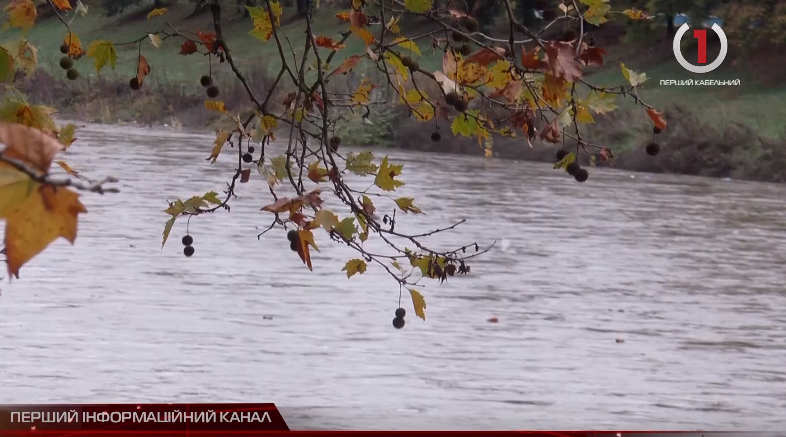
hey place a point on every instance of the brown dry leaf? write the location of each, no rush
(606, 155)
(551, 133)
(511, 91)
(374, 57)
(529, 60)
(554, 90)
(657, 118)
(218, 144)
(329, 43)
(347, 65)
(486, 56)
(358, 19)
(188, 48)
(560, 58)
(306, 238)
(29, 145)
(143, 69)
(449, 64)
(245, 175)
(593, 56)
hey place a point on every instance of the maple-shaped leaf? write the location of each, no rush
(634, 78)
(551, 133)
(188, 47)
(511, 91)
(218, 144)
(600, 102)
(156, 12)
(636, 14)
(142, 70)
(66, 135)
(74, 45)
(343, 16)
(263, 24)
(561, 60)
(216, 105)
(529, 59)
(554, 89)
(346, 228)
(419, 303)
(21, 13)
(596, 14)
(593, 56)
(305, 239)
(326, 219)
(354, 266)
(362, 94)
(485, 56)
(29, 145)
(328, 43)
(657, 118)
(102, 52)
(467, 125)
(386, 174)
(418, 6)
(567, 159)
(316, 173)
(361, 164)
(40, 219)
(347, 65)
(208, 40)
(405, 204)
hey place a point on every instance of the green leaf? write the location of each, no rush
(102, 52)
(326, 219)
(363, 226)
(66, 135)
(346, 228)
(168, 229)
(634, 78)
(385, 175)
(279, 164)
(596, 14)
(600, 102)
(562, 163)
(361, 164)
(6, 66)
(418, 6)
(212, 197)
(354, 266)
(419, 303)
(405, 204)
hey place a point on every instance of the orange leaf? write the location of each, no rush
(657, 118)
(188, 48)
(63, 5)
(44, 216)
(324, 41)
(347, 65)
(343, 16)
(305, 238)
(74, 45)
(529, 60)
(593, 55)
(363, 34)
(142, 70)
(29, 145)
(560, 57)
(208, 39)
(486, 56)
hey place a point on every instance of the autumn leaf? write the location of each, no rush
(215, 105)
(636, 14)
(362, 94)
(306, 239)
(600, 102)
(385, 175)
(38, 116)
(263, 25)
(554, 89)
(143, 69)
(449, 64)
(66, 135)
(529, 60)
(343, 16)
(208, 40)
(567, 159)
(188, 47)
(103, 52)
(363, 34)
(407, 44)
(74, 45)
(316, 173)
(27, 57)
(368, 205)
(328, 43)
(357, 18)
(67, 168)
(596, 14)
(38, 221)
(361, 164)
(593, 56)
(218, 144)
(657, 118)
(346, 228)
(347, 65)
(63, 5)
(21, 13)
(418, 6)
(15, 187)
(419, 303)
(560, 58)
(551, 133)
(485, 56)
(398, 66)
(155, 40)
(354, 266)
(326, 219)
(29, 145)
(6, 66)
(634, 78)
(155, 12)
(405, 204)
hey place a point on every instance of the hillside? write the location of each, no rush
(697, 114)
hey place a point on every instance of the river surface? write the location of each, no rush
(688, 271)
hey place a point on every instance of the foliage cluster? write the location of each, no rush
(486, 87)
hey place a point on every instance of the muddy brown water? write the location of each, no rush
(688, 271)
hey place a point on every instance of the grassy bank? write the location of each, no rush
(734, 131)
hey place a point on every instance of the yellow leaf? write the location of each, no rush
(167, 229)
(21, 13)
(103, 52)
(74, 45)
(39, 116)
(363, 91)
(354, 266)
(634, 78)
(63, 5)
(215, 105)
(218, 144)
(6, 66)
(363, 34)
(263, 25)
(156, 12)
(469, 73)
(67, 168)
(419, 303)
(305, 238)
(636, 14)
(15, 187)
(423, 111)
(27, 57)
(584, 116)
(385, 175)
(66, 135)
(418, 6)
(326, 219)
(407, 44)
(562, 163)
(42, 218)
(155, 40)
(399, 68)
(405, 204)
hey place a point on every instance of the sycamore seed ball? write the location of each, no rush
(541, 4)
(465, 50)
(573, 168)
(461, 105)
(187, 240)
(64, 49)
(550, 14)
(653, 149)
(134, 83)
(206, 81)
(401, 312)
(471, 24)
(72, 74)
(398, 322)
(188, 251)
(561, 154)
(66, 63)
(212, 91)
(582, 175)
(436, 136)
(292, 236)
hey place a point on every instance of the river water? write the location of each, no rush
(688, 271)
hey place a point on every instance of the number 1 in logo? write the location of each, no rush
(701, 35)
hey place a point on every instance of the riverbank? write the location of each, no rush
(713, 131)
